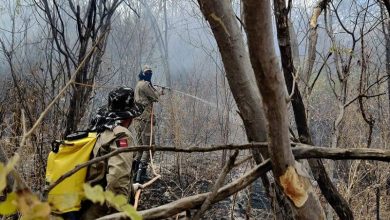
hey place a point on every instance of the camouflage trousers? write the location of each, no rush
(143, 134)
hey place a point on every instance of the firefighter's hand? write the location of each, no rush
(137, 186)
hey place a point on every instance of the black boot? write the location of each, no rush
(141, 176)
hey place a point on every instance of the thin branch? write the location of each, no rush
(363, 96)
(295, 79)
(133, 9)
(319, 72)
(301, 151)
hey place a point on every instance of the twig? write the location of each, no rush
(242, 161)
(319, 72)
(194, 201)
(363, 96)
(18, 180)
(138, 192)
(221, 179)
(136, 198)
(295, 79)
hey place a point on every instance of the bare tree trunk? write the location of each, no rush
(362, 86)
(386, 32)
(387, 5)
(339, 204)
(239, 73)
(92, 24)
(288, 174)
(313, 36)
(237, 65)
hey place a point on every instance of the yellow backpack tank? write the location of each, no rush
(67, 195)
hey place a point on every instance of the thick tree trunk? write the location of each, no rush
(239, 72)
(288, 174)
(330, 192)
(387, 5)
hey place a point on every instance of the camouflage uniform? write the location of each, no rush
(144, 94)
(113, 173)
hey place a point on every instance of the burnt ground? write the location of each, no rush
(169, 188)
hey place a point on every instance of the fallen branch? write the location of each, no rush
(314, 151)
(301, 151)
(195, 201)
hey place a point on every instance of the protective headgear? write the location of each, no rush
(146, 68)
(146, 74)
(120, 106)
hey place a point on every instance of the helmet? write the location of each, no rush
(146, 74)
(146, 68)
(120, 106)
(122, 100)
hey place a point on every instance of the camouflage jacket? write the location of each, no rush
(145, 94)
(115, 172)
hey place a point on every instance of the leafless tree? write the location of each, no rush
(93, 21)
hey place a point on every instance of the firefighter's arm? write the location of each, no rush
(118, 176)
(151, 93)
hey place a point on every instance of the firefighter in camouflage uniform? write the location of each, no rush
(114, 173)
(146, 95)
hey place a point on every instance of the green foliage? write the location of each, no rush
(28, 204)
(5, 170)
(31, 207)
(67, 202)
(97, 194)
(8, 207)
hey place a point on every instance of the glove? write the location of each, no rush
(137, 186)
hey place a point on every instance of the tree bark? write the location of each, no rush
(335, 199)
(313, 36)
(240, 75)
(239, 72)
(386, 33)
(387, 5)
(288, 174)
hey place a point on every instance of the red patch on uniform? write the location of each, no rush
(122, 143)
